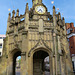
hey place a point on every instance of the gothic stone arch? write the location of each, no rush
(46, 51)
(11, 63)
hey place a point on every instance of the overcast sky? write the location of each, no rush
(66, 7)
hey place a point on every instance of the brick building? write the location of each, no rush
(71, 39)
(71, 36)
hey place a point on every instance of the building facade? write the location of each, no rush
(71, 39)
(34, 36)
(71, 36)
(1, 43)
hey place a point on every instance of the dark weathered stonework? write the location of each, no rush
(34, 32)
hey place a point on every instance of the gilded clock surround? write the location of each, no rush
(40, 9)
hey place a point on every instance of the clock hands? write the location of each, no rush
(39, 10)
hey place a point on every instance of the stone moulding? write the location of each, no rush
(40, 44)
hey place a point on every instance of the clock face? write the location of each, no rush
(40, 9)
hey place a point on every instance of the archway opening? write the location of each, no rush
(16, 63)
(41, 63)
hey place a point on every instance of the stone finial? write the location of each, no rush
(54, 13)
(59, 16)
(27, 8)
(9, 17)
(13, 14)
(53, 7)
(63, 18)
(8, 22)
(9, 14)
(17, 14)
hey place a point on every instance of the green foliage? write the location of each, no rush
(19, 60)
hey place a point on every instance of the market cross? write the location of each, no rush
(34, 36)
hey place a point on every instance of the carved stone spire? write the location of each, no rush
(17, 14)
(27, 8)
(54, 13)
(26, 17)
(63, 20)
(36, 2)
(54, 16)
(9, 17)
(13, 14)
(59, 16)
(8, 21)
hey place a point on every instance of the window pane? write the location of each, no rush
(0, 53)
(68, 31)
(73, 65)
(3, 37)
(0, 45)
(68, 40)
(0, 37)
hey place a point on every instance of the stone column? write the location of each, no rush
(53, 57)
(62, 64)
(24, 57)
(23, 64)
(55, 49)
(59, 53)
(10, 66)
(54, 40)
(30, 65)
(53, 65)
